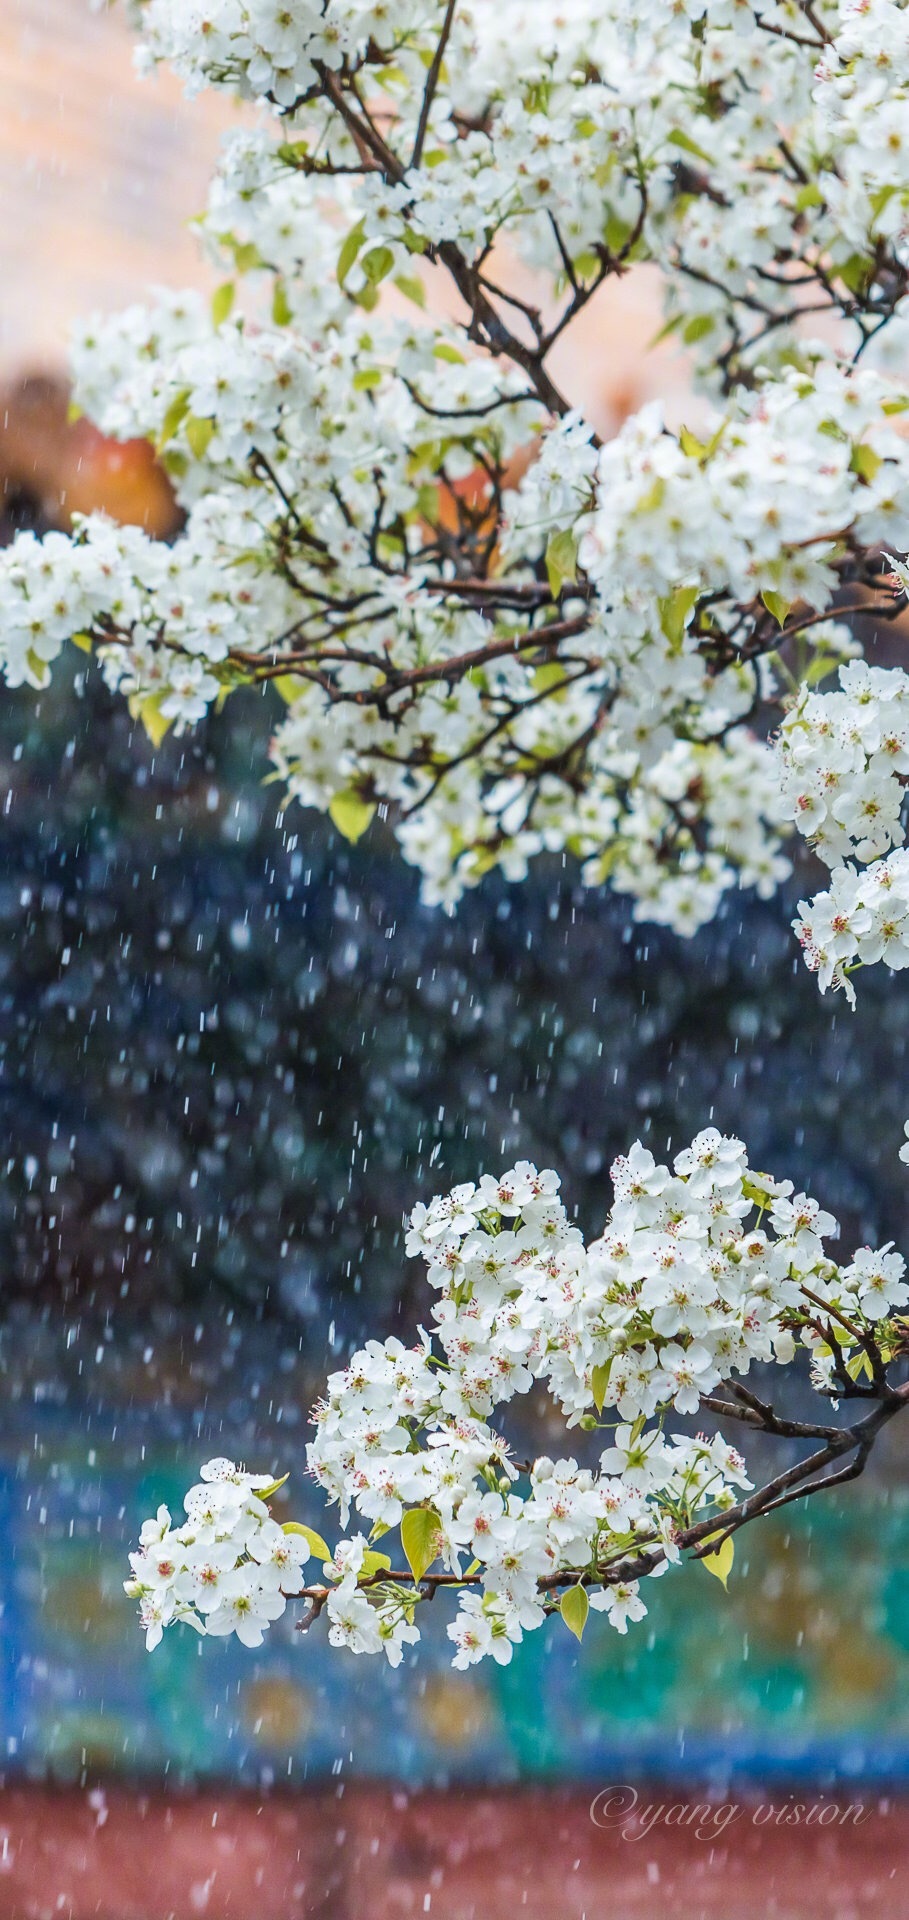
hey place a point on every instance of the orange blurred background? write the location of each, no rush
(100, 175)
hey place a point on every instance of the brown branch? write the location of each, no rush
(486, 326)
(798, 1482)
(432, 81)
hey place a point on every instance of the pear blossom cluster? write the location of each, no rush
(488, 631)
(846, 757)
(862, 917)
(227, 1568)
(705, 1269)
(846, 760)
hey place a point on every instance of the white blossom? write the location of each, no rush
(587, 669)
(403, 1437)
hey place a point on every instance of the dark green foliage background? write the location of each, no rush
(235, 1055)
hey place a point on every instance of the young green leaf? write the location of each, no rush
(574, 1607)
(267, 1493)
(314, 1541)
(200, 434)
(865, 462)
(696, 328)
(351, 814)
(374, 1563)
(419, 1538)
(778, 605)
(38, 668)
(679, 139)
(349, 251)
(153, 720)
(561, 560)
(599, 1381)
(377, 264)
(720, 1562)
(281, 311)
(412, 288)
(222, 301)
(674, 611)
(289, 687)
(173, 418)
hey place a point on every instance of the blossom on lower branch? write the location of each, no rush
(703, 1269)
(227, 1569)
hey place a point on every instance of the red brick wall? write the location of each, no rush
(368, 1854)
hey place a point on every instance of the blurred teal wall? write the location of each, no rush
(800, 1671)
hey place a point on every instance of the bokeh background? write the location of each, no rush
(234, 1053)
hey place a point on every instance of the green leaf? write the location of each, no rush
(679, 139)
(222, 301)
(419, 1538)
(314, 1541)
(200, 434)
(153, 720)
(809, 195)
(880, 199)
(599, 1381)
(696, 328)
(291, 152)
(691, 445)
(615, 233)
(561, 560)
(281, 311)
(859, 1364)
(247, 256)
(574, 1607)
(662, 333)
(288, 686)
(653, 498)
(700, 450)
(366, 378)
(38, 668)
(674, 611)
(374, 1563)
(412, 288)
(778, 605)
(173, 418)
(377, 263)
(266, 1493)
(83, 641)
(586, 264)
(443, 351)
(865, 462)
(351, 814)
(856, 272)
(349, 251)
(720, 1562)
(549, 676)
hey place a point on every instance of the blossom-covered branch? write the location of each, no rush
(703, 1271)
(488, 628)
